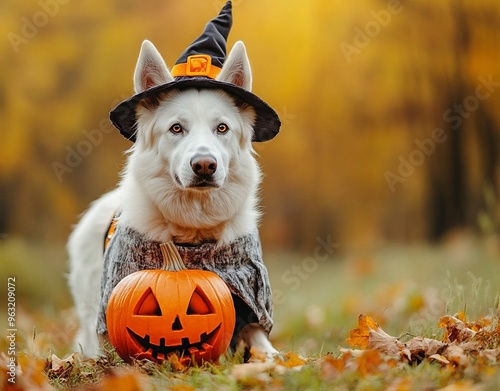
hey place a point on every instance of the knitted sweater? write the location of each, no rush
(238, 263)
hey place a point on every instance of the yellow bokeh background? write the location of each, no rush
(358, 85)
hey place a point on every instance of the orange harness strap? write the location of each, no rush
(110, 232)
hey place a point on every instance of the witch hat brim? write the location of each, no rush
(266, 125)
(209, 47)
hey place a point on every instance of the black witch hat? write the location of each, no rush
(198, 67)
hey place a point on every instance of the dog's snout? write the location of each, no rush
(204, 165)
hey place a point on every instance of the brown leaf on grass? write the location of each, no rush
(176, 363)
(369, 362)
(488, 332)
(456, 355)
(359, 336)
(484, 322)
(291, 360)
(251, 370)
(58, 365)
(257, 356)
(456, 329)
(331, 366)
(259, 372)
(384, 343)
(491, 355)
(463, 342)
(364, 362)
(424, 346)
(368, 335)
(61, 367)
(440, 359)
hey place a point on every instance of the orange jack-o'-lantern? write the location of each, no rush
(154, 313)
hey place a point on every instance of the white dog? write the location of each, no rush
(191, 177)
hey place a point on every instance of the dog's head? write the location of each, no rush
(196, 132)
(193, 157)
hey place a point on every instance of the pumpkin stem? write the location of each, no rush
(172, 261)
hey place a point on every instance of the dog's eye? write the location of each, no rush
(222, 128)
(176, 128)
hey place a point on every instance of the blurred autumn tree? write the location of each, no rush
(361, 89)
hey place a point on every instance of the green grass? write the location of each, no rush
(405, 289)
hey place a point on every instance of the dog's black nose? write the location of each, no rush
(204, 165)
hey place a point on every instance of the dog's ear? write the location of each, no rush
(236, 69)
(150, 70)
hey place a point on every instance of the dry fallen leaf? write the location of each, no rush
(456, 329)
(369, 362)
(176, 363)
(260, 371)
(460, 344)
(425, 347)
(368, 335)
(57, 364)
(243, 371)
(360, 335)
(440, 359)
(492, 355)
(331, 366)
(256, 355)
(291, 360)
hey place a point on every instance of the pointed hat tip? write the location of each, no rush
(212, 41)
(228, 7)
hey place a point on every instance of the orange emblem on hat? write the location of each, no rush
(196, 65)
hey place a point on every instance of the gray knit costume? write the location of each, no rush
(238, 263)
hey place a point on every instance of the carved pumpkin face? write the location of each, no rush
(154, 313)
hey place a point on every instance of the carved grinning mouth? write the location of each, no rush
(185, 350)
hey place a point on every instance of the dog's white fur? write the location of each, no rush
(159, 195)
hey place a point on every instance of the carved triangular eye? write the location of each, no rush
(148, 305)
(199, 304)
